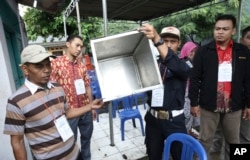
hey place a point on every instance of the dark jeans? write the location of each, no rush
(85, 125)
(158, 130)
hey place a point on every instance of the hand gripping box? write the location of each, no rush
(125, 64)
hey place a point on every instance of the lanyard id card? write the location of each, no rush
(157, 97)
(80, 87)
(225, 72)
(63, 128)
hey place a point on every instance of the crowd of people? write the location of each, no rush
(217, 90)
(204, 87)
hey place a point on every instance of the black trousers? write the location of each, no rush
(157, 130)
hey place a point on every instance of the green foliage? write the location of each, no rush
(194, 23)
(234, 3)
(198, 24)
(116, 27)
(39, 23)
(246, 14)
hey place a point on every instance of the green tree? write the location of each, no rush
(116, 27)
(39, 23)
(194, 23)
(197, 24)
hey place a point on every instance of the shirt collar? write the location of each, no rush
(72, 62)
(33, 87)
(229, 45)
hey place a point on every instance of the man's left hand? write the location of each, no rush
(246, 114)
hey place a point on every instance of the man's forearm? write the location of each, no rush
(76, 112)
(19, 150)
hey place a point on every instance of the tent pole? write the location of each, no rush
(105, 19)
(78, 18)
(239, 20)
(69, 9)
(65, 27)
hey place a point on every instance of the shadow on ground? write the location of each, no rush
(144, 158)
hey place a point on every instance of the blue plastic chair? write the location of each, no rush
(190, 145)
(127, 112)
(94, 84)
(142, 97)
(96, 94)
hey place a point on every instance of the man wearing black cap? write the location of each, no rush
(166, 114)
(38, 110)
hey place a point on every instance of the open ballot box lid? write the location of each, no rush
(125, 64)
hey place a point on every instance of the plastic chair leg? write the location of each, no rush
(113, 111)
(142, 127)
(97, 115)
(133, 120)
(122, 129)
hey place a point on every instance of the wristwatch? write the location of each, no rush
(160, 42)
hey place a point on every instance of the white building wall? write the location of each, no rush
(7, 87)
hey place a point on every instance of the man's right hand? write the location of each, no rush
(150, 32)
(195, 111)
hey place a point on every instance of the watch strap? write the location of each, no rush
(160, 42)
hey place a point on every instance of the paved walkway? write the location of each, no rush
(131, 148)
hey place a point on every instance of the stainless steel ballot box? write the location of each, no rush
(125, 64)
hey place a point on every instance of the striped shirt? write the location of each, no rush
(31, 111)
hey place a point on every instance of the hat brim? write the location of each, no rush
(163, 35)
(39, 58)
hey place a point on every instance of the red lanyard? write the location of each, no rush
(46, 106)
(164, 73)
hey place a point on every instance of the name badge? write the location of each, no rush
(63, 128)
(225, 72)
(80, 87)
(157, 97)
(189, 64)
